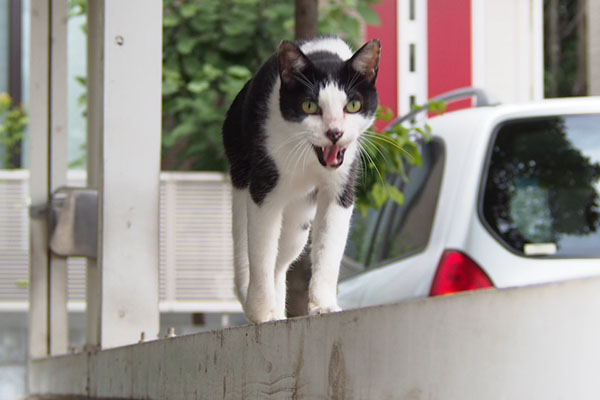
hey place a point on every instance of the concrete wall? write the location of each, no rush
(533, 343)
(13, 355)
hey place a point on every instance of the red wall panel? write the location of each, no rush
(387, 80)
(449, 47)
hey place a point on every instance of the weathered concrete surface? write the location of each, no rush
(539, 342)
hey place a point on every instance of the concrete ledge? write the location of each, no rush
(539, 342)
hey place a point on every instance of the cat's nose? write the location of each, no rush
(334, 135)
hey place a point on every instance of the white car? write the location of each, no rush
(507, 195)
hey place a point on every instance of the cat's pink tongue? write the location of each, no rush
(330, 154)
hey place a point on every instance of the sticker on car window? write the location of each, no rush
(540, 249)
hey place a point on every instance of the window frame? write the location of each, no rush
(384, 225)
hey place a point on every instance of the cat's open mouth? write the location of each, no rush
(330, 156)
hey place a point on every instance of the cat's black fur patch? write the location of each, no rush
(312, 196)
(244, 136)
(346, 198)
(263, 178)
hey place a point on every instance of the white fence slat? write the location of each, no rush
(196, 259)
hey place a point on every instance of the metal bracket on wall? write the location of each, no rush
(72, 222)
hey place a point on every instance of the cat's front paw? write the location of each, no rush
(259, 316)
(315, 308)
(260, 307)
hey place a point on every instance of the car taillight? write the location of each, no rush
(456, 272)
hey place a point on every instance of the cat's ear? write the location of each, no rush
(366, 60)
(291, 62)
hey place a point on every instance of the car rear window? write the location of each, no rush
(542, 186)
(396, 231)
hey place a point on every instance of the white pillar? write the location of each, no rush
(507, 49)
(48, 169)
(39, 184)
(593, 45)
(412, 54)
(124, 107)
(58, 320)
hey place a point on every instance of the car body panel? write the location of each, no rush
(467, 135)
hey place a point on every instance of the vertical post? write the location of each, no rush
(15, 34)
(58, 320)
(95, 129)
(39, 179)
(593, 47)
(537, 50)
(124, 107)
(48, 170)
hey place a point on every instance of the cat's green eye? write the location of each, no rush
(310, 107)
(353, 106)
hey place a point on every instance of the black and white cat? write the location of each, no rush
(291, 138)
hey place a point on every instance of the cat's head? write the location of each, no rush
(333, 99)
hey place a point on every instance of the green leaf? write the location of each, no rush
(211, 73)
(368, 14)
(5, 101)
(384, 113)
(437, 107)
(198, 86)
(188, 9)
(239, 71)
(168, 88)
(379, 195)
(192, 65)
(395, 195)
(236, 29)
(186, 44)
(170, 20)
(234, 45)
(350, 25)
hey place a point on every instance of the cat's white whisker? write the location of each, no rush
(307, 152)
(300, 77)
(287, 141)
(383, 138)
(296, 153)
(371, 161)
(362, 163)
(372, 145)
(353, 80)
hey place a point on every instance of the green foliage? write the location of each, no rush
(570, 77)
(12, 127)
(211, 49)
(77, 8)
(385, 153)
(344, 18)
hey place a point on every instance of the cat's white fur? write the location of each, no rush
(271, 236)
(331, 44)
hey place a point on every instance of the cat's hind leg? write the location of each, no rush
(239, 229)
(295, 227)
